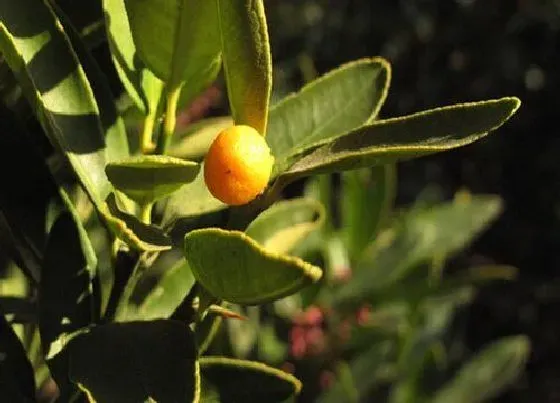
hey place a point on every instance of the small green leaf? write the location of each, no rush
(66, 301)
(247, 60)
(247, 381)
(387, 141)
(490, 371)
(279, 228)
(134, 361)
(416, 238)
(140, 83)
(368, 197)
(132, 231)
(191, 200)
(17, 382)
(37, 49)
(341, 100)
(194, 142)
(167, 36)
(148, 178)
(233, 267)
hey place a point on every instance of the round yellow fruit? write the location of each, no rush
(238, 165)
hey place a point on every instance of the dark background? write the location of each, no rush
(447, 51)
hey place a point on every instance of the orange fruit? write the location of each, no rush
(238, 165)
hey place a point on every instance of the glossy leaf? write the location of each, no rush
(148, 178)
(17, 382)
(134, 361)
(247, 60)
(237, 380)
(66, 302)
(132, 231)
(167, 36)
(31, 39)
(387, 141)
(283, 225)
(234, 267)
(368, 197)
(191, 200)
(195, 140)
(494, 368)
(341, 100)
(416, 238)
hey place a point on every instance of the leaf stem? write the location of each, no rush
(146, 212)
(146, 142)
(169, 121)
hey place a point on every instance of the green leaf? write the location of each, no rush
(490, 371)
(247, 381)
(341, 100)
(193, 143)
(167, 35)
(135, 361)
(247, 60)
(416, 238)
(369, 368)
(167, 293)
(191, 200)
(279, 228)
(234, 267)
(132, 231)
(17, 382)
(368, 199)
(387, 141)
(148, 178)
(141, 84)
(66, 302)
(37, 49)
(116, 142)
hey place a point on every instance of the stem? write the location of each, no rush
(146, 212)
(122, 306)
(172, 98)
(146, 142)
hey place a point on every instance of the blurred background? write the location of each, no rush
(447, 51)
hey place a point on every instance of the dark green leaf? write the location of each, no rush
(387, 141)
(167, 35)
(282, 226)
(134, 361)
(17, 382)
(37, 49)
(148, 178)
(247, 60)
(66, 302)
(233, 267)
(247, 381)
(490, 371)
(368, 198)
(167, 293)
(342, 100)
(416, 238)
